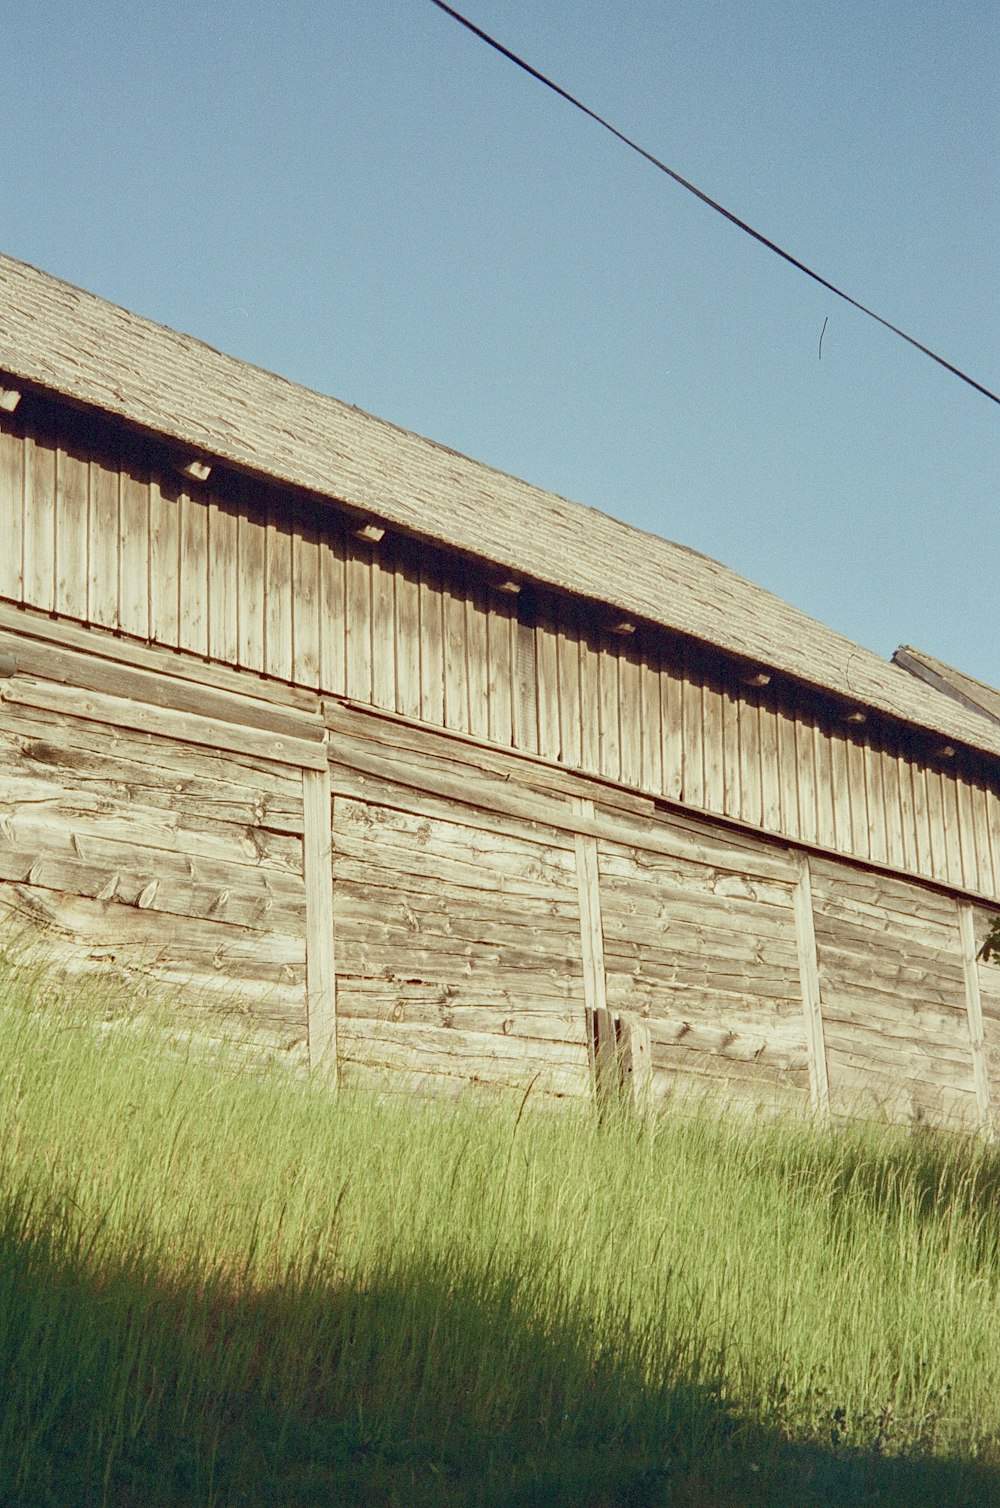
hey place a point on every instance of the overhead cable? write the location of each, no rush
(720, 209)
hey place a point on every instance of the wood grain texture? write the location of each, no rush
(812, 1001)
(321, 970)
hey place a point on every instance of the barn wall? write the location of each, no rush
(240, 573)
(152, 816)
(161, 860)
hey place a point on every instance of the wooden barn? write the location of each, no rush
(437, 774)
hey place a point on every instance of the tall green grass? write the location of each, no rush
(222, 1286)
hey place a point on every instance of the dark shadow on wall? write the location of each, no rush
(130, 1388)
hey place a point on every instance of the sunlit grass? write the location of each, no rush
(224, 1286)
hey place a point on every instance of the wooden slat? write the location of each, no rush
(39, 525)
(164, 564)
(11, 509)
(431, 645)
(652, 728)
(133, 555)
(826, 815)
(591, 929)
(858, 798)
(500, 630)
(770, 781)
(974, 1009)
(875, 797)
(383, 629)
(332, 610)
(967, 835)
(609, 693)
(477, 660)
(193, 626)
(590, 703)
(102, 591)
(306, 603)
(547, 669)
(896, 850)
(277, 593)
(570, 710)
(359, 618)
(456, 670)
(672, 712)
(630, 718)
(812, 1003)
(72, 542)
(407, 635)
(525, 683)
(251, 543)
(118, 712)
(751, 800)
(321, 971)
(715, 800)
(693, 716)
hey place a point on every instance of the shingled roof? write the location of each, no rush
(74, 344)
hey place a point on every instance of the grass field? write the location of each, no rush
(219, 1287)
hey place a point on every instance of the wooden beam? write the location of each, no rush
(321, 971)
(591, 926)
(757, 678)
(623, 626)
(637, 1062)
(974, 1012)
(10, 397)
(371, 533)
(812, 1004)
(507, 584)
(197, 469)
(857, 717)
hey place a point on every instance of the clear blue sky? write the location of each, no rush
(364, 198)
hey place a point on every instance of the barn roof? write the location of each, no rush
(77, 345)
(955, 683)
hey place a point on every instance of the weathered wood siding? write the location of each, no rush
(479, 900)
(242, 573)
(895, 1006)
(158, 858)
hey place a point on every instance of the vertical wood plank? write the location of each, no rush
(715, 797)
(11, 509)
(805, 749)
(133, 548)
(526, 681)
(590, 702)
(383, 629)
(974, 1011)
(922, 818)
(630, 718)
(164, 562)
(952, 834)
(358, 619)
(980, 814)
(306, 601)
(321, 970)
(993, 828)
(967, 833)
(223, 582)
(591, 924)
(812, 1001)
(570, 713)
(72, 543)
(407, 639)
(277, 592)
(840, 775)
(652, 729)
(102, 556)
(251, 536)
(193, 633)
(637, 1062)
(431, 645)
(693, 717)
(750, 781)
(610, 707)
(875, 798)
(859, 798)
(826, 819)
(732, 790)
(39, 526)
(500, 627)
(332, 620)
(547, 663)
(894, 842)
(907, 815)
(672, 710)
(477, 658)
(456, 671)
(769, 781)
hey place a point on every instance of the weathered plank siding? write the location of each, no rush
(158, 858)
(104, 532)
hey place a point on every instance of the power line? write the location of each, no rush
(720, 209)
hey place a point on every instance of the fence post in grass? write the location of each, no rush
(321, 974)
(974, 1012)
(812, 1002)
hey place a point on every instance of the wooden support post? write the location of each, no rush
(591, 928)
(321, 974)
(812, 1004)
(974, 1010)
